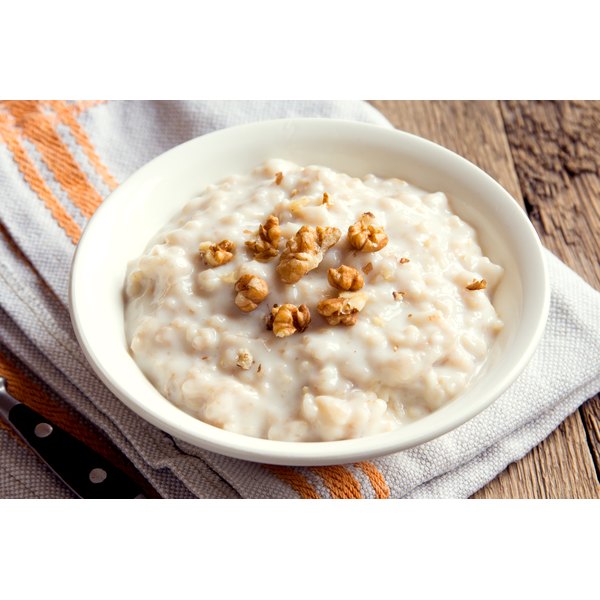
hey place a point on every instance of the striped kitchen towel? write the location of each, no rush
(59, 159)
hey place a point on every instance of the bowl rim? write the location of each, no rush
(301, 453)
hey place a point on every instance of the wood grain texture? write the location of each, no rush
(590, 413)
(556, 150)
(491, 135)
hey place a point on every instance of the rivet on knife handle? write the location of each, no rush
(87, 473)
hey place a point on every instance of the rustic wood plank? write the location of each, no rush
(590, 413)
(556, 150)
(475, 130)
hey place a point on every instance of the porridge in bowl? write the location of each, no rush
(301, 304)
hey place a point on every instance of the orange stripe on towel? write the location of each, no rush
(66, 113)
(295, 480)
(21, 385)
(35, 180)
(376, 478)
(80, 106)
(38, 127)
(339, 481)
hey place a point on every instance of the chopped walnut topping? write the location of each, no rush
(398, 295)
(278, 177)
(251, 291)
(288, 319)
(345, 278)
(477, 285)
(244, 359)
(304, 251)
(336, 311)
(325, 198)
(403, 260)
(215, 255)
(342, 310)
(266, 246)
(301, 255)
(367, 268)
(365, 236)
(328, 237)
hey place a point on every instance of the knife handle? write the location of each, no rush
(83, 470)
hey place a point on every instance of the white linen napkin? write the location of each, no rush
(59, 160)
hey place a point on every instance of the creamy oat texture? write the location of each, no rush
(417, 343)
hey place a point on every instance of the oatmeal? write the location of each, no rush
(301, 304)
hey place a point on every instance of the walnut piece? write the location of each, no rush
(403, 260)
(251, 291)
(398, 295)
(266, 246)
(345, 278)
(288, 319)
(477, 285)
(278, 177)
(365, 235)
(367, 268)
(328, 237)
(244, 359)
(342, 310)
(215, 255)
(304, 252)
(336, 311)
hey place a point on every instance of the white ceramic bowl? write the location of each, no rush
(122, 226)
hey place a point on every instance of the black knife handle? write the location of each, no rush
(83, 470)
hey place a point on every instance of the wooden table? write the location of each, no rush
(547, 155)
